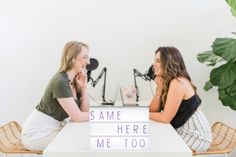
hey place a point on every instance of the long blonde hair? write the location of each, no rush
(70, 52)
(172, 65)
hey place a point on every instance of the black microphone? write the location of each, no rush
(147, 76)
(90, 67)
(151, 73)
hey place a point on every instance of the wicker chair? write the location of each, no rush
(223, 140)
(10, 140)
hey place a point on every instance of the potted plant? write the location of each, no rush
(224, 75)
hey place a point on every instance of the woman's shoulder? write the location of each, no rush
(180, 82)
(59, 78)
(184, 85)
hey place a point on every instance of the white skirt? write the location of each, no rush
(196, 132)
(39, 129)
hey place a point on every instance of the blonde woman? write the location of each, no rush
(176, 101)
(65, 96)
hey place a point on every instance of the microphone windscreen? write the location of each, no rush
(151, 73)
(88, 76)
(93, 64)
(90, 67)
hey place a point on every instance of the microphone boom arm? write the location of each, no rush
(135, 85)
(144, 77)
(94, 83)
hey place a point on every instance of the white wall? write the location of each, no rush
(122, 34)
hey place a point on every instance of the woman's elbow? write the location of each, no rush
(82, 117)
(167, 119)
(160, 117)
(152, 109)
(85, 107)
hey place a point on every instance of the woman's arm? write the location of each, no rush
(155, 105)
(71, 108)
(81, 82)
(174, 98)
(84, 106)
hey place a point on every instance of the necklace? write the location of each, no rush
(72, 85)
(70, 82)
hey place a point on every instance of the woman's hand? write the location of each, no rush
(159, 81)
(81, 85)
(81, 80)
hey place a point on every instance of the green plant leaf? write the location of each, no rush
(226, 99)
(231, 90)
(232, 4)
(209, 56)
(225, 48)
(208, 85)
(224, 75)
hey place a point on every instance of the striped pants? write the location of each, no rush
(196, 132)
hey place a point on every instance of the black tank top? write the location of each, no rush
(185, 111)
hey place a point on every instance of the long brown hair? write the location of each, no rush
(70, 52)
(172, 65)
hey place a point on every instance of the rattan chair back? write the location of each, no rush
(10, 140)
(223, 139)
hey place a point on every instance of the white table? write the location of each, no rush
(73, 141)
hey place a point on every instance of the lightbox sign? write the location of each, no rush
(119, 128)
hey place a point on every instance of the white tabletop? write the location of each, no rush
(73, 140)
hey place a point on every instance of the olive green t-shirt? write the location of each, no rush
(58, 87)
